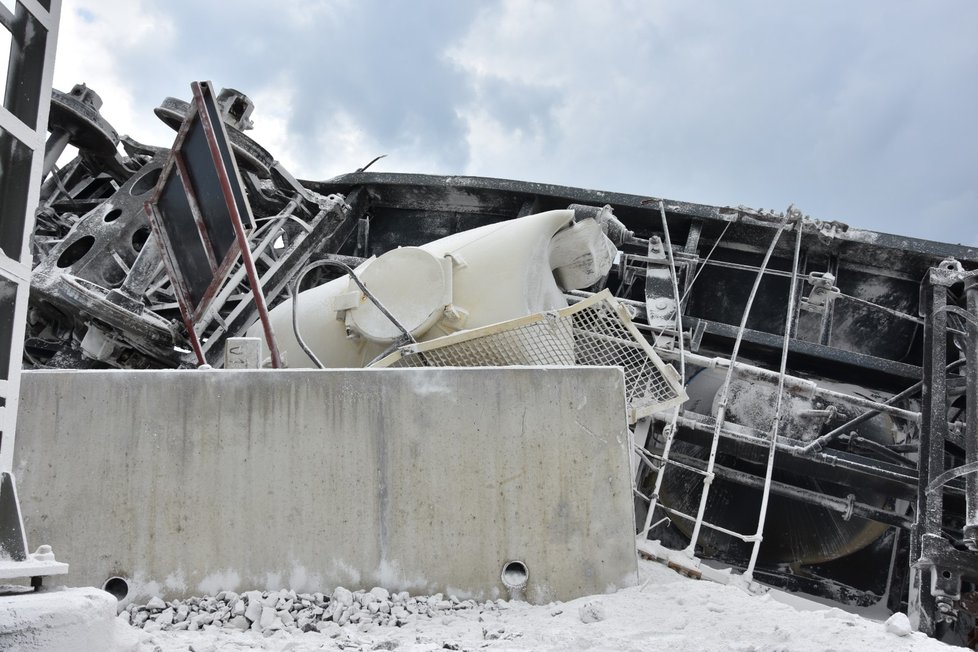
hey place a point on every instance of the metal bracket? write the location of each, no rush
(15, 560)
(823, 293)
(660, 305)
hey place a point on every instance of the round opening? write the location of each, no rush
(117, 586)
(75, 251)
(146, 182)
(515, 574)
(113, 275)
(139, 238)
(112, 215)
(946, 574)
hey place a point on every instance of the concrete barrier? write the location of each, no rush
(425, 480)
(62, 620)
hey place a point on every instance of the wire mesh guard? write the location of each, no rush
(594, 332)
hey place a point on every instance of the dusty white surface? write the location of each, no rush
(666, 612)
(60, 620)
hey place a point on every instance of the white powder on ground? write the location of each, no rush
(665, 612)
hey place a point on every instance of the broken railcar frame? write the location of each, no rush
(442, 204)
(857, 342)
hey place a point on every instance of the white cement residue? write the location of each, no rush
(860, 235)
(226, 580)
(342, 569)
(666, 612)
(142, 588)
(273, 581)
(63, 620)
(390, 575)
(433, 384)
(301, 580)
(175, 581)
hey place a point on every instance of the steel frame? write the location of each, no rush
(204, 108)
(33, 27)
(938, 566)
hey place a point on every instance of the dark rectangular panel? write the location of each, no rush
(8, 298)
(201, 215)
(226, 157)
(184, 240)
(15, 176)
(23, 88)
(207, 190)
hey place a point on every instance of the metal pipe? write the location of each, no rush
(885, 451)
(820, 443)
(971, 414)
(293, 291)
(700, 426)
(675, 293)
(937, 484)
(840, 505)
(363, 288)
(689, 287)
(746, 268)
(793, 382)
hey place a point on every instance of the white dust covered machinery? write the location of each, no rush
(467, 280)
(832, 372)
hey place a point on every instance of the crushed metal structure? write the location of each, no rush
(829, 442)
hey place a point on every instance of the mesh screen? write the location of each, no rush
(594, 332)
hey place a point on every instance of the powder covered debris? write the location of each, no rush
(665, 612)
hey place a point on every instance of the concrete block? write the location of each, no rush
(242, 353)
(425, 480)
(61, 620)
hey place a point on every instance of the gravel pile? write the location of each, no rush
(272, 611)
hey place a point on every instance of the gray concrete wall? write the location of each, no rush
(426, 480)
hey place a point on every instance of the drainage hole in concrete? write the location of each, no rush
(515, 574)
(117, 586)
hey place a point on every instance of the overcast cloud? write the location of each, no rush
(863, 112)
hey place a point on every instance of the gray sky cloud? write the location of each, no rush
(861, 112)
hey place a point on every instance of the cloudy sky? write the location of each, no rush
(864, 112)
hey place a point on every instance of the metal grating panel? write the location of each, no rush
(594, 332)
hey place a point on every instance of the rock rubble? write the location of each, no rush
(286, 610)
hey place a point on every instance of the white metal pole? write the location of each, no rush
(789, 321)
(724, 391)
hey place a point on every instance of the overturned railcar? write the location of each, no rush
(829, 441)
(873, 379)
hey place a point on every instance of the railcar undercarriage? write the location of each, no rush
(837, 367)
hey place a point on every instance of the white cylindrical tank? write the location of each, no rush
(466, 280)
